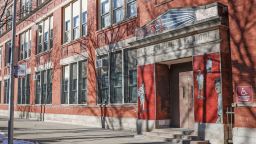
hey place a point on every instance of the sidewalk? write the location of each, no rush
(48, 133)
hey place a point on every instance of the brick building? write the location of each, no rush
(136, 64)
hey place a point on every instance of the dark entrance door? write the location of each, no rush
(181, 89)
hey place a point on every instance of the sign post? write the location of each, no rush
(11, 92)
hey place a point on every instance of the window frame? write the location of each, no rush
(112, 9)
(40, 48)
(70, 31)
(7, 53)
(24, 90)
(39, 97)
(124, 77)
(69, 83)
(6, 91)
(23, 36)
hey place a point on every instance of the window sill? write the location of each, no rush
(43, 104)
(119, 105)
(244, 105)
(74, 105)
(114, 25)
(43, 53)
(23, 60)
(73, 41)
(23, 104)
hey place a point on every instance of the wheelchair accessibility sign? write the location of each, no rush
(244, 94)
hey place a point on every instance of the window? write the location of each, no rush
(6, 91)
(122, 78)
(105, 13)
(24, 90)
(45, 35)
(25, 44)
(26, 7)
(116, 78)
(103, 80)
(9, 18)
(115, 11)
(74, 77)
(7, 52)
(131, 76)
(75, 20)
(44, 87)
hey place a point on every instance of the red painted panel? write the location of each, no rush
(207, 69)
(146, 88)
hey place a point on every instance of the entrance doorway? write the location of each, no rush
(181, 95)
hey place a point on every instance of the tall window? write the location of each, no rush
(25, 44)
(26, 7)
(103, 80)
(116, 78)
(75, 20)
(74, 84)
(9, 18)
(114, 11)
(45, 35)
(7, 52)
(44, 87)
(6, 91)
(24, 90)
(131, 76)
(123, 78)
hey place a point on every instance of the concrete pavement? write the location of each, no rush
(57, 133)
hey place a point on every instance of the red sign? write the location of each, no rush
(244, 94)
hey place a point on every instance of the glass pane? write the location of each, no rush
(49, 86)
(117, 3)
(105, 20)
(38, 88)
(51, 32)
(73, 83)
(27, 89)
(116, 78)
(105, 7)
(65, 77)
(67, 24)
(118, 15)
(84, 5)
(131, 9)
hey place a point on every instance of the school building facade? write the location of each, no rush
(135, 64)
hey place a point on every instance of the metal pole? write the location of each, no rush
(11, 80)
